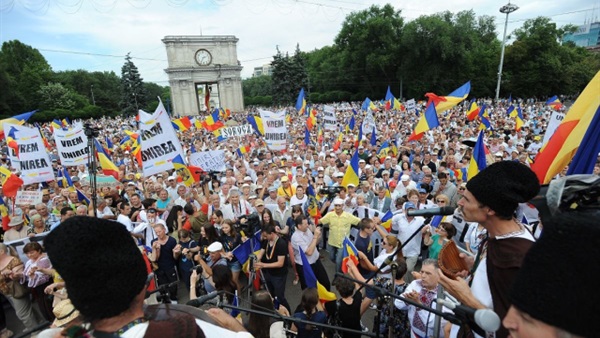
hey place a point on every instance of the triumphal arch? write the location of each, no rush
(204, 73)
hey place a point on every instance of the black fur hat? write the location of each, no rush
(503, 185)
(557, 282)
(102, 267)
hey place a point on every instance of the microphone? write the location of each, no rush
(431, 212)
(486, 319)
(203, 299)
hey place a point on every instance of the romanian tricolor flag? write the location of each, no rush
(257, 124)
(386, 220)
(311, 121)
(350, 125)
(301, 102)
(212, 122)
(83, 198)
(443, 103)
(368, 104)
(313, 204)
(63, 179)
(109, 143)
(17, 119)
(338, 142)
(320, 135)
(306, 136)
(519, 119)
(108, 167)
(577, 138)
(349, 252)
(477, 163)
(554, 102)
(242, 150)
(384, 150)
(311, 280)
(351, 175)
(183, 171)
(218, 135)
(460, 174)
(485, 123)
(4, 215)
(10, 182)
(394, 148)
(438, 219)
(427, 121)
(373, 140)
(182, 124)
(473, 111)
(359, 137)
(11, 140)
(511, 109)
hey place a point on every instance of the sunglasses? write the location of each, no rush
(440, 201)
(461, 189)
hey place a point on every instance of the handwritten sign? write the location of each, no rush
(28, 197)
(213, 160)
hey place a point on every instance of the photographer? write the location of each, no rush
(215, 252)
(272, 260)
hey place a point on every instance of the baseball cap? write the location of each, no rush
(338, 201)
(284, 179)
(259, 202)
(405, 178)
(409, 205)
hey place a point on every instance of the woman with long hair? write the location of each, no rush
(434, 237)
(208, 235)
(259, 326)
(267, 219)
(309, 309)
(230, 240)
(176, 218)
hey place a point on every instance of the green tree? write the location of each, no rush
(282, 79)
(257, 86)
(133, 94)
(370, 52)
(55, 96)
(538, 65)
(23, 69)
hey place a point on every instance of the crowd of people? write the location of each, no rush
(189, 233)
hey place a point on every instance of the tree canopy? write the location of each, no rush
(376, 48)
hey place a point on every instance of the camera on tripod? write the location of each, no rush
(91, 131)
(331, 192)
(251, 225)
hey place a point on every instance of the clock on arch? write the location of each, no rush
(203, 57)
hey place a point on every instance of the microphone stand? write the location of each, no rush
(294, 320)
(398, 249)
(448, 316)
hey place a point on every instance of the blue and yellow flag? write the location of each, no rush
(351, 174)
(301, 102)
(477, 163)
(311, 280)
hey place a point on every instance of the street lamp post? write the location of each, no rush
(93, 99)
(506, 9)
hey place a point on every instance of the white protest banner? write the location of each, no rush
(71, 145)
(32, 157)
(275, 130)
(213, 160)
(555, 120)
(245, 129)
(368, 123)
(28, 197)
(159, 142)
(329, 118)
(411, 104)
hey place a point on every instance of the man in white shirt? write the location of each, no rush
(403, 227)
(303, 238)
(423, 291)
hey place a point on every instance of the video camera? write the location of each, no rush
(206, 177)
(331, 192)
(251, 225)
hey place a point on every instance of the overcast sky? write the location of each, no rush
(96, 34)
